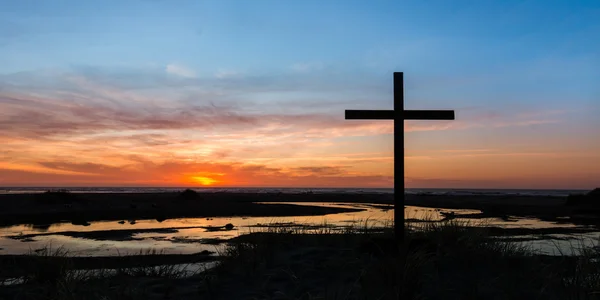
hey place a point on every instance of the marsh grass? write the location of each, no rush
(50, 275)
(450, 259)
(441, 259)
(306, 262)
(459, 260)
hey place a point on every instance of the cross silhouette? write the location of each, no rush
(398, 115)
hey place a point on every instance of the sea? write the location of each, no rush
(429, 191)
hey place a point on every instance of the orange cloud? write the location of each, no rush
(91, 134)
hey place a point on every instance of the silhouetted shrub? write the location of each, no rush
(189, 194)
(590, 199)
(60, 196)
(577, 199)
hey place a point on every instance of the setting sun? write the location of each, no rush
(204, 180)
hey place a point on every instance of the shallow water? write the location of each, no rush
(183, 241)
(550, 244)
(196, 239)
(433, 214)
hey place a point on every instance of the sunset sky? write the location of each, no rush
(253, 93)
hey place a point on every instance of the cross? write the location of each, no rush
(398, 115)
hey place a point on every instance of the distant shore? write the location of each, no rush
(522, 203)
(87, 207)
(80, 208)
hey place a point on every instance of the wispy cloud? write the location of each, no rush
(180, 70)
(148, 128)
(176, 173)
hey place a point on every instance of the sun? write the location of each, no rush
(204, 180)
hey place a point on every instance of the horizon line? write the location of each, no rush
(288, 187)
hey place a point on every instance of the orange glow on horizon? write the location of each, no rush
(206, 181)
(309, 150)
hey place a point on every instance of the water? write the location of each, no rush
(482, 192)
(188, 236)
(551, 244)
(181, 241)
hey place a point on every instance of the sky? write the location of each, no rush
(253, 93)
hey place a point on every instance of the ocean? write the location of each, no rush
(432, 191)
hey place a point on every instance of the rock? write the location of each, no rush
(229, 226)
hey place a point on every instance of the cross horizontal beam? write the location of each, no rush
(408, 115)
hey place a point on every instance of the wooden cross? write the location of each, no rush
(398, 115)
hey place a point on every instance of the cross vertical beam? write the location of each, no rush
(398, 115)
(399, 155)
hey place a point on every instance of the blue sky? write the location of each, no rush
(506, 62)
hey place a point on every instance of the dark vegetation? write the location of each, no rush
(591, 199)
(440, 260)
(60, 196)
(454, 261)
(47, 262)
(189, 195)
(298, 264)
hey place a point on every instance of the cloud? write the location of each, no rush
(467, 150)
(140, 126)
(180, 70)
(176, 173)
(86, 109)
(322, 170)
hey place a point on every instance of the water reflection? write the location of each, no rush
(550, 244)
(416, 214)
(194, 237)
(183, 241)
